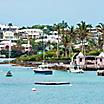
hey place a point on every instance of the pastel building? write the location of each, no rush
(87, 61)
(90, 61)
(6, 43)
(100, 59)
(80, 59)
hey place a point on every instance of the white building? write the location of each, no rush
(7, 32)
(100, 59)
(27, 47)
(6, 43)
(33, 33)
(53, 38)
(8, 35)
(8, 28)
(80, 59)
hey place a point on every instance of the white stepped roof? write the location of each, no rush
(80, 55)
(101, 54)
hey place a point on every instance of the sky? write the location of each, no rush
(32, 12)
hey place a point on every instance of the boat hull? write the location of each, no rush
(46, 72)
(9, 74)
(52, 83)
(76, 71)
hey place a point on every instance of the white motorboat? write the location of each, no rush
(100, 72)
(43, 69)
(75, 69)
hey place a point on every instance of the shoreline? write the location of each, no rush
(63, 68)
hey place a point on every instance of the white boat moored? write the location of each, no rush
(43, 69)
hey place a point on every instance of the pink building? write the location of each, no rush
(80, 59)
(100, 59)
(86, 61)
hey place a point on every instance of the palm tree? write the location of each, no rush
(91, 45)
(83, 31)
(56, 27)
(72, 36)
(65, 41)
(100, 43)
(64, 31)
(100, 28)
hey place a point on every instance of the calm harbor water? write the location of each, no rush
(86, 88)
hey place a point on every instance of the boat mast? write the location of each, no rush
(43, 55)
(42, 49)
(9, 41)
(28, 44)
(58, 29)
(9, 49)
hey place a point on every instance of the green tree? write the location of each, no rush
(83, 31)
(56, 27)
(72, 37)
(100, 28)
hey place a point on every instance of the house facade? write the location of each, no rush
(7, 32)
(31, 33)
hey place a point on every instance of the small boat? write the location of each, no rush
(75, 69)
(43, 69)
(33, 89)
(100, 72)
(9, 74)
(52, 83)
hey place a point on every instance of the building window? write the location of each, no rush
(100, 59)
(80, 59)
(1, 35)
(8, 29)
(4, 29)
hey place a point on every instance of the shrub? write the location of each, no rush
(94, 52)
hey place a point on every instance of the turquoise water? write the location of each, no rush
(86, 88)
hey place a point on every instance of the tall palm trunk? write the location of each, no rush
(83, 47)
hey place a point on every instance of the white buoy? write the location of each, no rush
(70, 85)
(33, 89)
